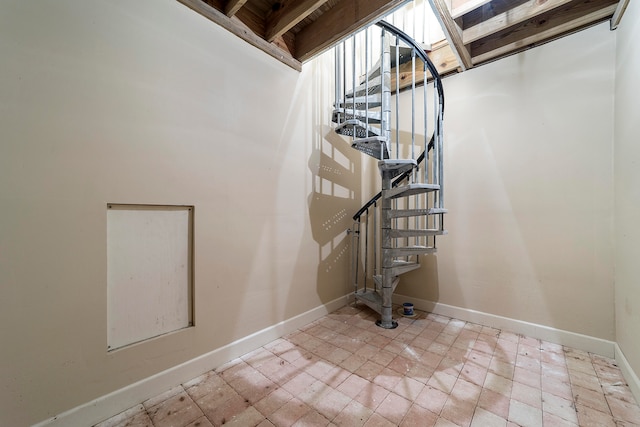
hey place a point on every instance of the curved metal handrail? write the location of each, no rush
(395, 183)
(437, 81)
(423, 56)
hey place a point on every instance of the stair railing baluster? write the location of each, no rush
(366, 250)
(344, 79)
(413, 133)
(353, 79)
(413, 14)
(424, 25)
(366, 78)
(413, 106)
(355, 247)
(435, 138)
(440, 160)
(426, 123)
(336, 85)
(375, 238)
(397, 98)
(385, 123)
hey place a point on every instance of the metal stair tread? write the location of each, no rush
(435, 211)
(374, 86)
(373, 101)
(396, 166)
(404, 56)
(374, 146)
(403, 213)
(399, 267)
(398, 233)
(409, 190)
(350, 113)
(358, 127)
(409, 250)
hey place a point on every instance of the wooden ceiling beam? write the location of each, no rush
(237, 27)
(338, 22)
(233, 6)
(289, 15)
(443, 58)
(509, 18)
(577, 21)
(460, 7)
(453, 32)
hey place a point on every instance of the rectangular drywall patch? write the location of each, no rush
(149, 271)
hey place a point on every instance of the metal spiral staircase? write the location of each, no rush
(390, 102)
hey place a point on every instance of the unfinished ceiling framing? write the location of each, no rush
(478, 31)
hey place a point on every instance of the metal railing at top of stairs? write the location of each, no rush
(381, 120)
(357, 78)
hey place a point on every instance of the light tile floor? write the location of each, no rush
(342, 370)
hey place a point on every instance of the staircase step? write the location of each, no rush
(417, 232)
(409, 251)
(374, 101)
(371, 298)
(358, 127)
(396, 166)
(374, 146)
(435, 211)
(404, 56)
(342, 114)
(375, 86)
(403, 213)
(378, 280)
(409, 190)
(400, 267)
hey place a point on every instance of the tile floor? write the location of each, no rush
(342, 370)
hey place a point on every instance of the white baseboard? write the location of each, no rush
(113, 403)
(628, 373)
(546, 333)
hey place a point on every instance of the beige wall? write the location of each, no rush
(627, 186)
(528, 170)
(147, 102)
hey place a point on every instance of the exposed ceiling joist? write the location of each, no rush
(238, 28)
(460, 7)
(233, 6)
(509, 18)
(338, 22)
(289, 15)
(453, 32)
(499, 46)
(294, 31)
(574, 15)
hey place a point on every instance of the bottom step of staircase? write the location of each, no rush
(371, 298)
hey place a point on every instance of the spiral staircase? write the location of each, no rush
(390, 103)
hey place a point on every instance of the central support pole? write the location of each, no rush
(386, 320)
(386, 311)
